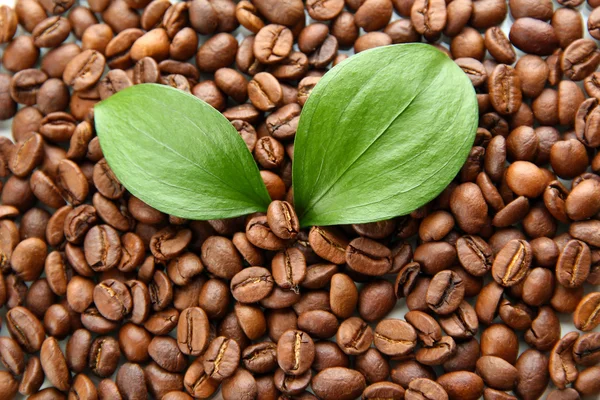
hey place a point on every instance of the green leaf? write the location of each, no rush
(382, 134)
(178, 154)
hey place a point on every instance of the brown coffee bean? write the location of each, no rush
(532, 370)
(462, 323)
(328, 244)
(282, 220)
(260, 358)
(512, 263)
(217, 52)
(102, 247)
(288, 13)
(221, 358)
(272, 44)
(573, 265)
(425, 388)
(474, 254)
(51, 32)
(131, 381)
(587, 382)
(25, 86)
(533, 36)
(354, 336)
(54, 364)
(505, 90)
(563, 370)
(251, 284)
(586, 316)
(580, 59)
(11, 356)
(394, 337)
(295, 352)
(193, 331)
(33, 377)
(544, 331)
(84, 70)
(385, 390)
(368, 257)
(497, 373)
(445, 292)
(113, 299)
(429, 18)
(469, 218)
(343, 295)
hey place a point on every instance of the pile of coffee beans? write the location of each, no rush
(105, 297)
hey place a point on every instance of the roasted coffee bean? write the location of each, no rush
(328, 244)
(289, 268)
(51, 32)
(282, 220)
(512, 263)
(273, 43)
(562, 367)
(505, 90)
(586, 315)
(54, 364)
(462, 385)
(462, 323)
(544, 331)
(445, 292)
(33, 377)
(585, 349)
(394, 337)
(350, 384)
(221, 358)
(368, 257)
(295, 352)
(104, 356)
(113, 299)
(532, 371)
(573, 265)
(131, 381)
(474, 254)
(423, 388)
(193, 331)
(580, 59)
(261, 357)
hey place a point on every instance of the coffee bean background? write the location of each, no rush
(456, 317)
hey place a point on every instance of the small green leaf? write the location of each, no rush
(178, 154)
(382, 134)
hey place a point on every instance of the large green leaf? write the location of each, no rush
(178, 154)
(382, 134)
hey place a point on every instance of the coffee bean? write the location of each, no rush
(350, 384)
(563, 370)
(51, 32)
(533, 36)
(544, 331)
(33, 377)
(386, 390)
(368, 257)
(11, 356)
(580, 59)
(328, 244)
(25, 86)
(354, 336)
(282, 220)
(462, 323)
(426, 389)
(474, 254)
(462, 385)
(260, 358)
(102, 248)
(586, 316)
(295, 352)
(8, 384)
(273, 43)
(84, 70)
(221, 358)
(376, 300)
(289, 268)
(113, 299)
(429, 18)
(54, 364)
(25, 328)
(131, 381)
(512, 263)
(104, 356)
(445, 292)
(572, 268)
(193, 331)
